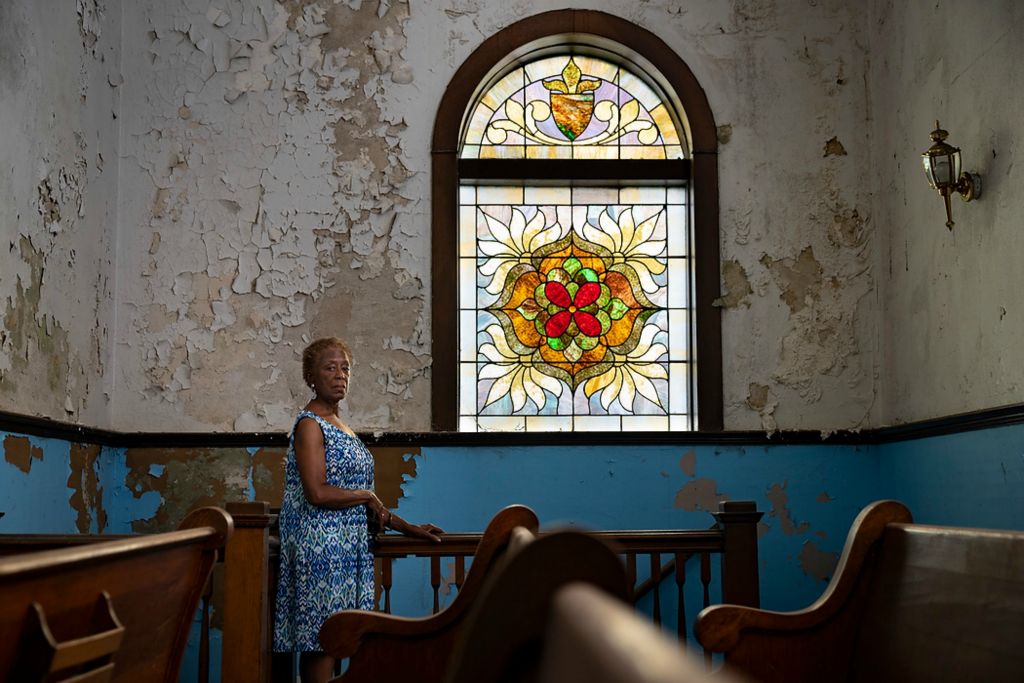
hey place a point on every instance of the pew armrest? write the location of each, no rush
(812, 643)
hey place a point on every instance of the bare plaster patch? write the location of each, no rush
(90, 21)
(736, 284)
(87, 495)
(823, 497)
(817, 563)
(763, 402)
(268, 475)
(35, 344)
(700, 494)
(688, 463)
(777, 497)
(19, 451)
(834, 148)
(392, 467)
(848, 228)
(798, 279)
(190, 478)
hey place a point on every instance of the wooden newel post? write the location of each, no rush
(245, 655)
(738, 521)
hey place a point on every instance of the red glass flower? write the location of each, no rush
(572, 307)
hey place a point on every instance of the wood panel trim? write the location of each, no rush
(1002, 416)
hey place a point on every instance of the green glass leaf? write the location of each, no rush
(571, 266)
(617, 308)
(586, 343)
(556, 343)
(605, 320)
(559, 275)
(572, 287)
(540, 297)
(586, 275)
(605, 297)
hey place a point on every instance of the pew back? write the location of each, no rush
(153, 582)
(593, 637)
(908, 602)
(504, 633)
(943, 604)
(382, 647)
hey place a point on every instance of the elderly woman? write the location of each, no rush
(326, 564)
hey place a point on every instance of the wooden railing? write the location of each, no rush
(249, 584)
(734, 537)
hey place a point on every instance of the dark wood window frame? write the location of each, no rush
(566, 27)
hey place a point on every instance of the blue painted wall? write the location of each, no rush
(37, 501)
(967, 479)
(810, 495)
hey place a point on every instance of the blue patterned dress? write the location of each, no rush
(326, 564)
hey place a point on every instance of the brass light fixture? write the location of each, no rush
(942, 166)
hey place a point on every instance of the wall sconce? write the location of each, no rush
(942, 166)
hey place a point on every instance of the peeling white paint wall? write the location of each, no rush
(268, 202)
(59, 102)
(273, 186)
(954, 316)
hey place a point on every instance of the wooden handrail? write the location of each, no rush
(644, 541)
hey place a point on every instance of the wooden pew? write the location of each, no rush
(908, 602)
(593, 637)
(382, 647)
(504, 631)
(106, 610)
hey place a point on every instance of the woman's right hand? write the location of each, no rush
(374, 506)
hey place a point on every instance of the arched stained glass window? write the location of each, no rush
(573, 298)
(574, 262)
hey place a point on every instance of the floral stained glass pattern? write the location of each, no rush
(571, 107)
(574, 309)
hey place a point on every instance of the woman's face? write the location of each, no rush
(331, 374)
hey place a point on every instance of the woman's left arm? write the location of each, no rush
(428, 532)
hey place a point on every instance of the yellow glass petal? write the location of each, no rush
(598, 383)
(628, 391)
(611, 392)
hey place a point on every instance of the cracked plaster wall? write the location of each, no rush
(273, 186)
(59, 99)
(953, 309)
(269, 199)
(275, 183)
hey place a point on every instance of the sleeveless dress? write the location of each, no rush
(326, 564)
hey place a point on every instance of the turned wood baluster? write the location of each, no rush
(460, 571)
(705, 576)
(705, 579)
(681, 600)
(435, 580)
(204, 633)
(655, 573)
(631, 573)
(385, 582)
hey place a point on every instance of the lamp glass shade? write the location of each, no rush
(942, 169)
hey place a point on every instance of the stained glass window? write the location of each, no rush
(571, 107)
(574, 299)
